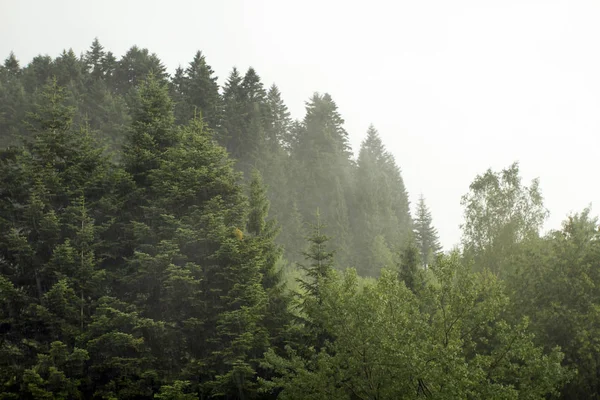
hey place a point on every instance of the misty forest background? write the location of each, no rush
(164, 237)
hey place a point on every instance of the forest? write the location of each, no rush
(163, 237)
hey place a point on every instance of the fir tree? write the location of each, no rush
(152, 130)
(380, 204)
(426, 235)
(199, 93)
(54, 214)
(134, 67)
(321, 261)
(94, 60)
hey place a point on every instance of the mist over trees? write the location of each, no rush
(165, 237)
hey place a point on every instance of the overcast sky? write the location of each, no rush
(454, 87)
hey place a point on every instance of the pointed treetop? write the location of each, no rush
(426, 236)
(234, 81)
(94, 58)
(253, 87)
(152, 128)
(51, 114)
(12, 64)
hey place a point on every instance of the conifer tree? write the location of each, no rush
(13, 102)
(53, 215)
(409, 268)
(152, 130)
(380, 204)
(323, 168)
(278, 120)
(199, 93)
(426, 236)
(320, 258)
(11, 65)
(94, 60)
(233, 128)
(134, 67)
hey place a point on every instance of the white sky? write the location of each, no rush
(453, 87)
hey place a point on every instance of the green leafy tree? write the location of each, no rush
(499, 213)
(556, 285)
(384, 346)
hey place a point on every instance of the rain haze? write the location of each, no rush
(453, 88)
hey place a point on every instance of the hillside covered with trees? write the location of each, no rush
(165, 237)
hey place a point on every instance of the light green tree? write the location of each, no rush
(499, 213)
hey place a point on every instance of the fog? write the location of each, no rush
(453, 87)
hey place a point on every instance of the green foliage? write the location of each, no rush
(557, 287)
(157, 270)
(321, 261)
(409, 270)
(388, 343)
(499, 213)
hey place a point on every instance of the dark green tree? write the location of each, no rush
(198, 92)
(409, 269)
(14, 102)
(134, 67)
(94, 60)
(54, 214)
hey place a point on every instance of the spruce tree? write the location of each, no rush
(278, 120)
(380, 204)
(233, 128)
(322, 162)
(199, 93)
(320, 258)
(152, 130)
(426, 236)
(54, 215)
(134, 67)
(94, 59)
(14, 102)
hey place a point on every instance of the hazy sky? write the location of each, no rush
(454, 87)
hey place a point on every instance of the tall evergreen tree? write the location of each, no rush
(199, 93)
(133, 68)
(152, 130)
(322, 161)
(233, 128)
(426, 236)
(54, 208)
(94, 60)
(380, 205)
(320, 258)
(14, 102)
(278, 120)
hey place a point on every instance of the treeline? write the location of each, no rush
(161, 237)
(306, 164)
